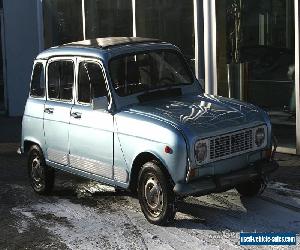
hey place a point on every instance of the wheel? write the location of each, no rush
(251, 188)
(155, 194)
(41, 176)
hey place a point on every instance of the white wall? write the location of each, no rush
(21, 45)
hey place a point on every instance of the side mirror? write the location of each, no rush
(100, 103)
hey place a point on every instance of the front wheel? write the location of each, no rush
(156, 195)
(251, 188)
(41, 176)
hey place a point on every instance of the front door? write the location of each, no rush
(91, 131)
(60, 75)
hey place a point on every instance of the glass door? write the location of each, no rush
(256, 59)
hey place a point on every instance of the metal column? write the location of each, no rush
(210, 46)
(134, 19)
(83, 19)
(199, 42)
(40, 25)
(297, 74)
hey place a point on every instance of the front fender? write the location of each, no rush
(137, 134)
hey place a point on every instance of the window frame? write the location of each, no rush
(100, 64)
(58, 59)
(43, 62)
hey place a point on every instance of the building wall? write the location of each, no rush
(21, 47)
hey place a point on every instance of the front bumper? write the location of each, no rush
(220, 183)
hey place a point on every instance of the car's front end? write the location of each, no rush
(228, 142)
(225, 161)
(239, 152)
(179, 141)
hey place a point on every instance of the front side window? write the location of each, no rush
(37, 88)
(61, 80)
(149, 70)
(91, 82)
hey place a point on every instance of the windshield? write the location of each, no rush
(150, 70)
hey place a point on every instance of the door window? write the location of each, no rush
(91, 82)
(61, 80)
(37, 88)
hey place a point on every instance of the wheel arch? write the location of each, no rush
(138, 163)
(28, 143)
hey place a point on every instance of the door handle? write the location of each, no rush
(76, 115)
(49, 110)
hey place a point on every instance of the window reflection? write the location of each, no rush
(168, 20)
(62, 21)
(107, 18)
(256, 57)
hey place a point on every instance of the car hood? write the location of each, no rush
(201, 114)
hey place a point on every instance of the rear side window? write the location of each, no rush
(91, 82)
(37, 88)
(61, 80)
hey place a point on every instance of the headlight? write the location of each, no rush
(260, 137)
(201, 151)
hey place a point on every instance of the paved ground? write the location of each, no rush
(86, 215)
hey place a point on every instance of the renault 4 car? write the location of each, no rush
(130, 113)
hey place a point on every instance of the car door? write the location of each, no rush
(91, 130)
(32, 125)
(60, 83)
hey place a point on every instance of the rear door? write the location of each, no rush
(60, 84)
(32, 126)
(91, 131)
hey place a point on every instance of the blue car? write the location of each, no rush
(130, 113)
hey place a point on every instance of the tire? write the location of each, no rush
(251, 188)
(41, 176)
(157, 206)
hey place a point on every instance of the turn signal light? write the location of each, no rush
(168, 150)
(268, 154)
(191, 174)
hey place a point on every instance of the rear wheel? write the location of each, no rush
(155, 194)
(251, 188)
(41, 176)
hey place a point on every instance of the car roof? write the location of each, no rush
(94, 47)
(109, 42)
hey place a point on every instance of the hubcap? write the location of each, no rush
(37, 172)
(154, 196)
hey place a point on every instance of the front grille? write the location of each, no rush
(231, 144)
